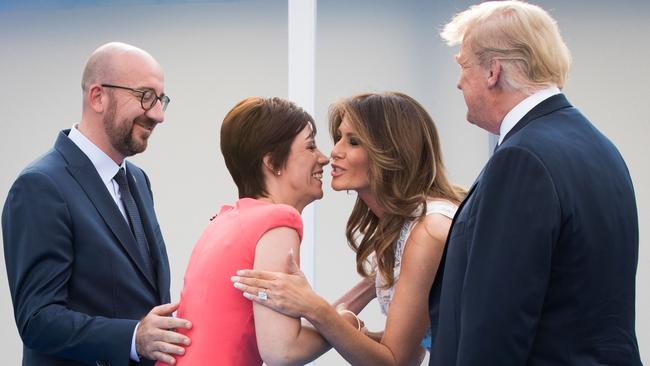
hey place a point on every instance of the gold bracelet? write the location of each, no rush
(342, 311)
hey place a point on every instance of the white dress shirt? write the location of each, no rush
(107, 168)
(525, 106)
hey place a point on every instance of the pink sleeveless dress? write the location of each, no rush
(223, 328)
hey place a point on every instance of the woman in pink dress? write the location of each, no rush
(269, 148)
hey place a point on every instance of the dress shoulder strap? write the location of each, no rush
(442, 207)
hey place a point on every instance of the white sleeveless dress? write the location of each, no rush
(385, 295)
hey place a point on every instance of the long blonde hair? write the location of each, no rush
(406, 170)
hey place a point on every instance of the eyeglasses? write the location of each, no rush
(149, 96)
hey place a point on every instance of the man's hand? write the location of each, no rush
(156, 338)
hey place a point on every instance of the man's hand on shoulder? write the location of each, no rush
(156, 338)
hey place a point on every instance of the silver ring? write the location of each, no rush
(261, 295)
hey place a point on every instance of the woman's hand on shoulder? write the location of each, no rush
(288, 293)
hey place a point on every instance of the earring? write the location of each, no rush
(278, 173)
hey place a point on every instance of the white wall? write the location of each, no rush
(216, 53)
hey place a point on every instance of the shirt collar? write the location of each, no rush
(525, 106)
(106, 167)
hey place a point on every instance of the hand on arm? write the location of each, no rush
(281, 339)
(290, 293)
(156, 339)
(285, 291)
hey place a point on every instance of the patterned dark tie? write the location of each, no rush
(134, 218)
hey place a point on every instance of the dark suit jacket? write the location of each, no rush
(540, 263)
(75, 275)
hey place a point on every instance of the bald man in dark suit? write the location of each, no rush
(86, 261)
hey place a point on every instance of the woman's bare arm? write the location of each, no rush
(281, 340)
(408, 314)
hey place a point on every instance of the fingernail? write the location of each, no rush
(186, 341)
(241, 272)
(248, 296)
(238, 285)
(188, 325)
(234, 278)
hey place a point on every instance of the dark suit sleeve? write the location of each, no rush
(516, 223)
(39, 254)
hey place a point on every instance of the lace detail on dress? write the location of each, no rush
(385, 295)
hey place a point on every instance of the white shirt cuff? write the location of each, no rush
(134, 353)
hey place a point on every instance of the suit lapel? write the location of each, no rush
(84, 172)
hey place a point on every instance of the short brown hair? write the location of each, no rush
(254, 128)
